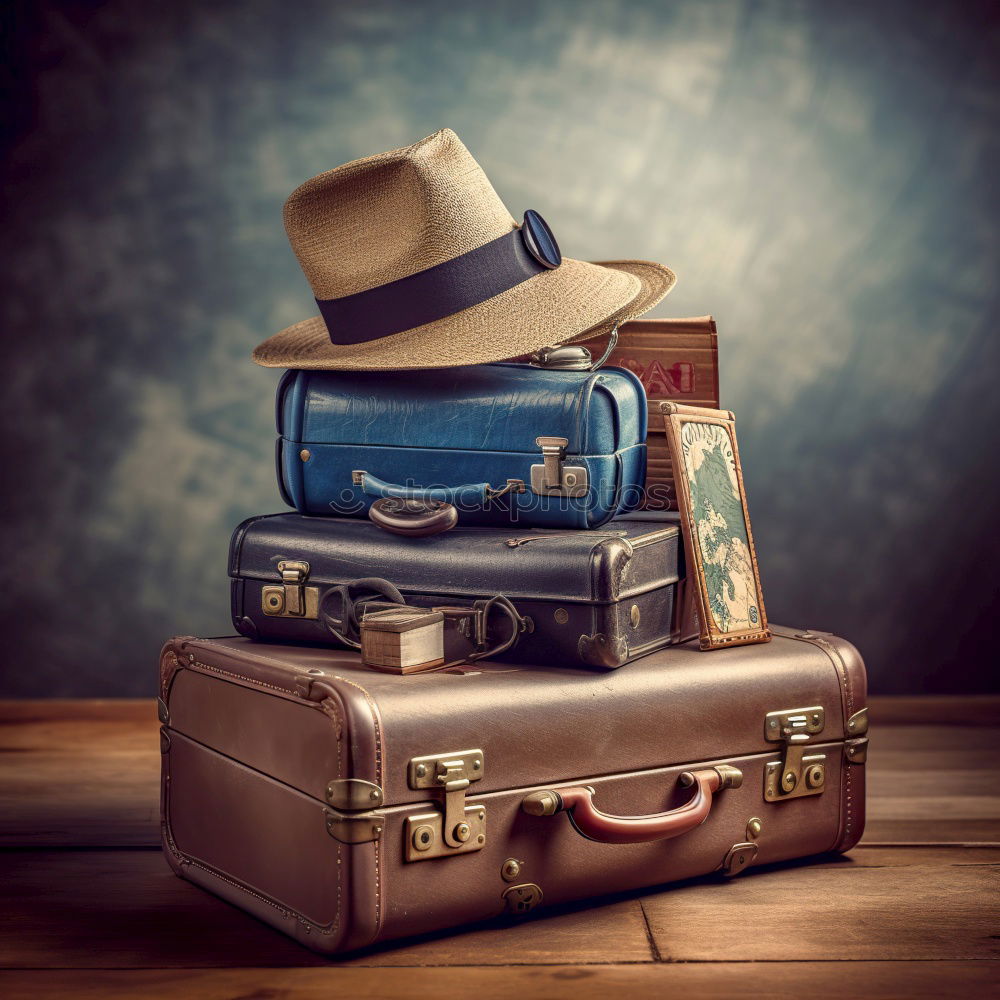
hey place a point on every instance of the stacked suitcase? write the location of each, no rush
(571, 740)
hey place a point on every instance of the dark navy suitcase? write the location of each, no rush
(504, 443)
(600, 597)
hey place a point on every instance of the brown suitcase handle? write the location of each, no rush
(593, 824)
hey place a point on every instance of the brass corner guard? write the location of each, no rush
(458, 828)
(797, 774)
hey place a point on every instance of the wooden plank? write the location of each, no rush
(933, 784)
(932, 763)
(749, 981)
(110, 909)
(936, 738)
(931, 831)
(829, 914)
(79, 772)
(586, 934)
(903, 782)
(126, 909)
(955, 710)
(900, 855)
(951, 808)
(34, 714)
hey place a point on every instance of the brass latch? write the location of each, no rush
(293, 599)
(458, 828)
(798, 774)
(552, 477)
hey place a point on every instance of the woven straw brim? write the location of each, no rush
(576, 301)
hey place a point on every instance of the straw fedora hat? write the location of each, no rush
(416, 263)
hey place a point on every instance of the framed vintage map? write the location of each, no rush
(722, 564)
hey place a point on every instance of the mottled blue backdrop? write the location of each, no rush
(822, 177)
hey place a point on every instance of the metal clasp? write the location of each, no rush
(798, 774)
(292, 599)
(572, 357)
(552, 476)
(566, 357)
(459, 828)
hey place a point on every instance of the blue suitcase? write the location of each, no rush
(504, 443)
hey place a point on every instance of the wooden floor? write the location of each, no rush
(90, 909)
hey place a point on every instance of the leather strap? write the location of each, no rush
(346, 627)
(432, 294)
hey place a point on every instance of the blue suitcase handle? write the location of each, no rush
(471, 493)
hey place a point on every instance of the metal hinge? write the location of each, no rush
(354, 828)
(797, 774)
(552, 477)
(458, 827)
(352, 794)
(857, 724)
(351, 820)
(856, 751)
(292, 599)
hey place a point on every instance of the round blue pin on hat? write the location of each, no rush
(539, 240)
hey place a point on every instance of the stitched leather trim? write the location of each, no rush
(848, 811)
(377, 725)
(185, 860)
(379, 757)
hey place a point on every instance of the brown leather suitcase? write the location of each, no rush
(345, 806)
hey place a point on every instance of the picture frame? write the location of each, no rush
(718, 542)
